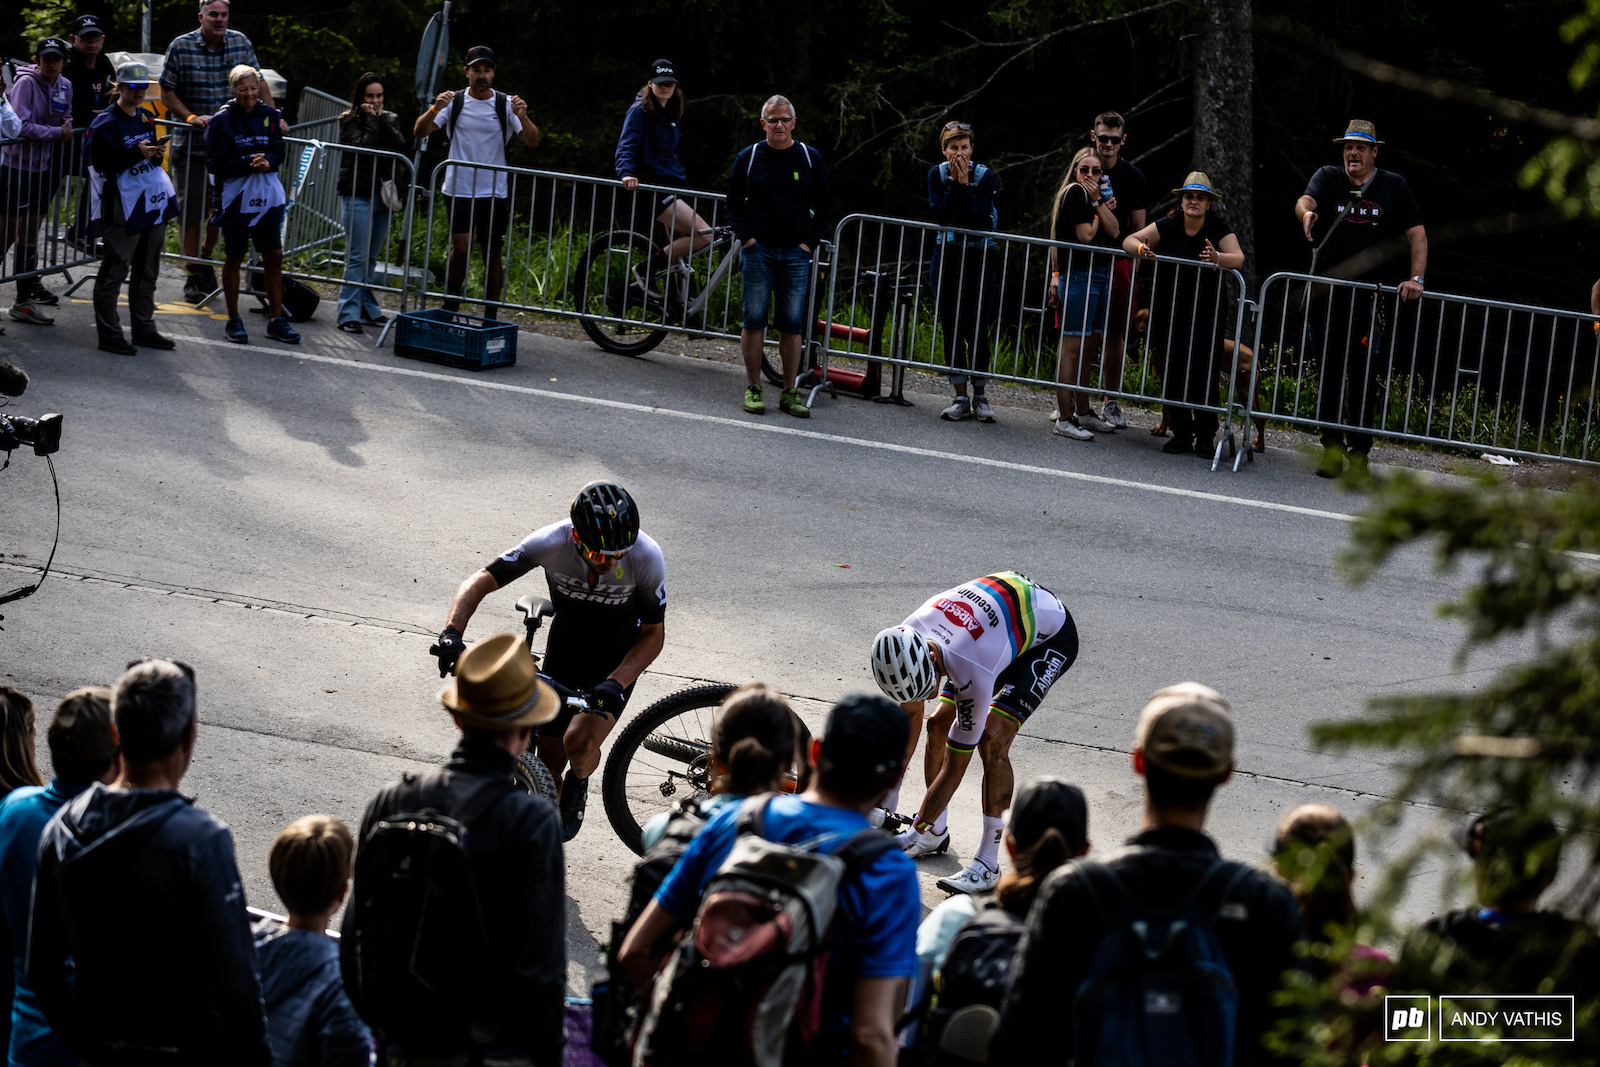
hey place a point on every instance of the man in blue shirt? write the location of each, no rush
(83, 750)
(875, 952)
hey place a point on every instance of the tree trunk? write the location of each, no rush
(1224, 145)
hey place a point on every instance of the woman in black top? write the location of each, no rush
(961, 196)
(1085, 213)
(1187, 308)
(361, 207)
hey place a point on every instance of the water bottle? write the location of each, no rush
(1105, 187)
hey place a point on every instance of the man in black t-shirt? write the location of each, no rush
(91, 74)
(1356, 218)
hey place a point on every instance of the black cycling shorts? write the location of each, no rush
(1022, 687)
(266, 235)
(580, 663)
(486, 218)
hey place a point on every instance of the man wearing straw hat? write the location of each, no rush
(1356, 218)
(454, 947)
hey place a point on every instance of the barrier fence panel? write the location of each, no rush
(44, 206)
(970, 304)
(1442, 369)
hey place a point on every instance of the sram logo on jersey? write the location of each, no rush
(960, 615)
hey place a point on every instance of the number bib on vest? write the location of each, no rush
(147, 196)
(247, 200)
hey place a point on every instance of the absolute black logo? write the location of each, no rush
(1407, 1018)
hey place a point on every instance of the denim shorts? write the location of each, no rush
(775, 272)
(1084, 299)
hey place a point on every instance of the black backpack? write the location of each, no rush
(502, 111)
(416, 931)
(976, 970)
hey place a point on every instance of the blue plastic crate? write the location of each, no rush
(456, 339)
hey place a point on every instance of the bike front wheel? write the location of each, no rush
(621, 302)
(532, 775)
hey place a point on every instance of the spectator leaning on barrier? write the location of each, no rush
(1187, 309)
(244, 149)
(455, 949)
(83, 750)
(480, 121)
(1085, 214)
(310, 1020)
(195, 86)
(1354, 216)
(30, 174)
(1183, 748)
(90, 72)
(647, 151)
(364, 212)
(778, 205)
(961, 196)
(136, 201)
(140, 945)
(1108, 137)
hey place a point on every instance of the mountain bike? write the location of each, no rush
(662, 754)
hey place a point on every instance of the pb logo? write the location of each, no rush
(1407, 1018)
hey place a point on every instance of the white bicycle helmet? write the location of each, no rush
(902, 665)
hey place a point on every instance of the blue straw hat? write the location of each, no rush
(1359, 130)
(1197, 182)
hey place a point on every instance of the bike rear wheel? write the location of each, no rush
(662, 755)
(618, 311)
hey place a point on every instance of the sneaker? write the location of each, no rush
(916, 844)
(1360, 468)
(1055, 414)
(279, 330)
(154, 340)
(753, 402)
(979, 877)
(28, 311)
(1331, 465)
(351, 327)
(376, 320)
(1090, 421)
(1205, 449)
(1070, 428)
(233, 330)
(193, 292)
(117, 345)
(1113, 414)
(1180, 445)
(208, 280)
(38, 294)
(574, 798)
(960, 409)
(789, 401)
(981, 409)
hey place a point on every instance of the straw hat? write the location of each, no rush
(497, 687)
(1197, 182)
(1359, 130)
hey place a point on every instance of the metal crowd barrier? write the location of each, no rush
(1443, 370)
(52, 235)
(990, 305)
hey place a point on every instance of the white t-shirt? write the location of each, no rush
(477, 139)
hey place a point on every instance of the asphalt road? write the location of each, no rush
(292, 522)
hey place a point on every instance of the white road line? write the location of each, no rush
(788, 431)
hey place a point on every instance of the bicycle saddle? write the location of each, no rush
(536, 607)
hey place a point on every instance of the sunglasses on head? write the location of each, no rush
(958, 125)
(1105, 139)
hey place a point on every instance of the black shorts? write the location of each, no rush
(1022, 687)
(580, 663)
(27, 192)
(485, 217)
(266, 235)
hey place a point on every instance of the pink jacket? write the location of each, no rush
(42, 107)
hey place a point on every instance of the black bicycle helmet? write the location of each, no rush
(604, 516)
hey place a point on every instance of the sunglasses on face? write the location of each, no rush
(1090, 170)
(1104, 139)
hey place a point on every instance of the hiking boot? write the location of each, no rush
(753, 402)
(117, 345)
(233, 330)
(208, 279)
(1331, 465)
(960, 409)
(981, 409)
(979, 877)
(279, 330)
(1180, 445)
(789, 401)
(574, 798)
(154, 340)
(1113, 414)
(28, 311)
(1070, 428)
(1090, 421)
(926, 843)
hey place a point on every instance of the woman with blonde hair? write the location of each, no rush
(18, 734)
(1085, 214)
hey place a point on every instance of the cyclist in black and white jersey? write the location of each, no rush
(608, 583)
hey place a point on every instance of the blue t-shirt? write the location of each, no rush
(880, 908)
(22, 821)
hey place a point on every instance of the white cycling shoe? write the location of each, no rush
(977, 878)
(916, 844)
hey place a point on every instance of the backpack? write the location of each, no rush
(1159, 989)
(502, 108)
(416, 927)
(975, 179)
(617, 1002)
(744, 986)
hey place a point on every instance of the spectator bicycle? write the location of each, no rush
(662, 754)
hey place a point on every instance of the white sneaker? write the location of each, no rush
(1090, 421)
(961, 409)
(1070, 428)
(1113, 414)
(977, 878)
(916, 844)
(981, 409)
(876, 816)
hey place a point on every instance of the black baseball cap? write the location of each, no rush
(88, 26)
(481, 53)
(1047, 802)
(866, 734)
(52, 46)
(662, 70)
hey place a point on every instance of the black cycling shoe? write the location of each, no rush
(574, 797)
